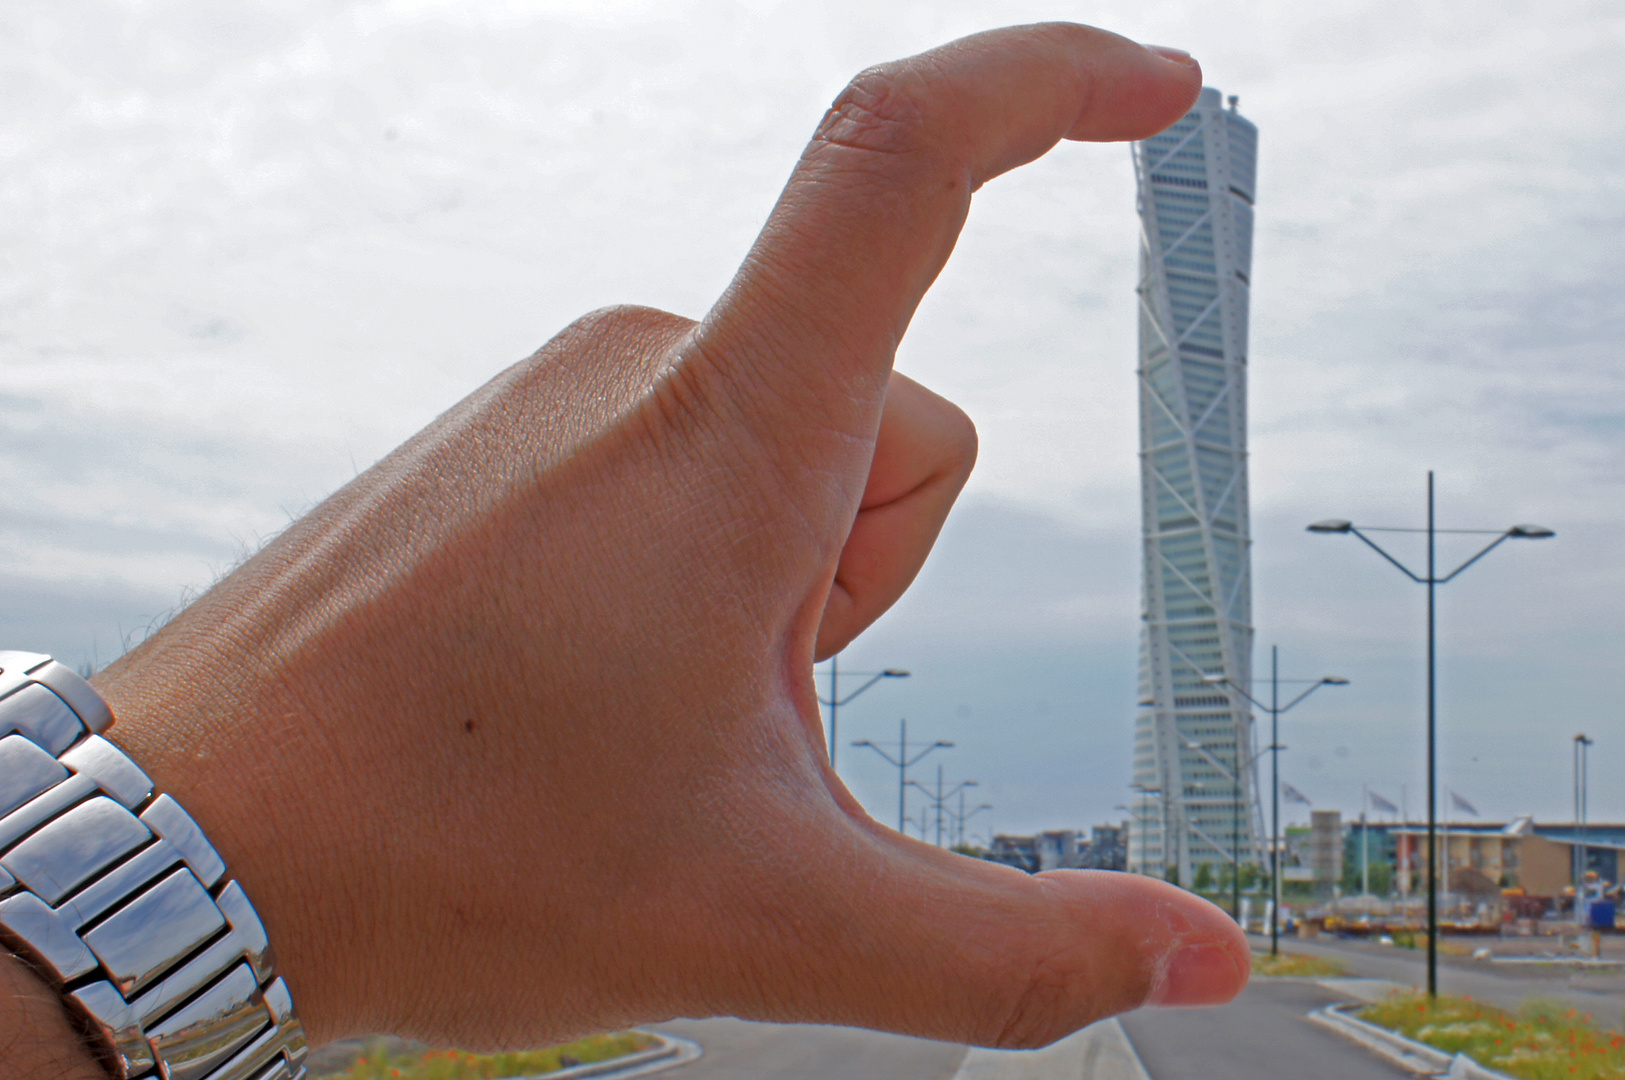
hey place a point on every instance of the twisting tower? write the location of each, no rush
(1193, 743)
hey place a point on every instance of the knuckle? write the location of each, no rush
(884, 111)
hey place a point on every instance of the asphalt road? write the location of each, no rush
(739, 1050)
(1507, 985)
(1261, 1036)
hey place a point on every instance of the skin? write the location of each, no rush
(514, 738)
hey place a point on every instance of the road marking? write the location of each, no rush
(1101, 1051)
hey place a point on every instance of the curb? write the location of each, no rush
(671, 1052)
(1414, 1057)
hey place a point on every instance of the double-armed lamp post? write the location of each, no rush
(835, 700)
(902, 763)
(1275, 709)
(1432, 581)
(939, 799)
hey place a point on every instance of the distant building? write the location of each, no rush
(1520, 854)
(1057, 849)
(1326, 849)
(1193, 734)
(1018, 851)
(1062, 849)
(1108, 848)
(1480, 859)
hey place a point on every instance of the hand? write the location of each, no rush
(515, 736)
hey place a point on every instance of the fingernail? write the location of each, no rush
(1199, 975)
(1168, 52)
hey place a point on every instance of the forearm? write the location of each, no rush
(37, 1039)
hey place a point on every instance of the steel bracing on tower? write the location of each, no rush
(1193, 734)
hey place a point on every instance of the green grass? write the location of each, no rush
(462, 1065)
(1544, 1040)
(1295, 966)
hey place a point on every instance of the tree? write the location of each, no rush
(1204, 878)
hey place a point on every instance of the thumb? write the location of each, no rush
(926, 942)
(808, 327)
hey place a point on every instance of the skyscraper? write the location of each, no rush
(1193, 740)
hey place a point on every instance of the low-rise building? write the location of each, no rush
(1063, 849)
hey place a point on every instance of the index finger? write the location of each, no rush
(877, 201)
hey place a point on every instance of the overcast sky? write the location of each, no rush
(248, 248)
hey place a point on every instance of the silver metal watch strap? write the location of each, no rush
(115, 896)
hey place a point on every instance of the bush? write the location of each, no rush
(1544, 1040)
(378, 1064)
(1295, 966)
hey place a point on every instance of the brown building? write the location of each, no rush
(1539, 859)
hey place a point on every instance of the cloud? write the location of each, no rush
(246, 251)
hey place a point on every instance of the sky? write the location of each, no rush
(246, 249)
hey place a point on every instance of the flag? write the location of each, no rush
(1292, 794)
(1463, 805)
(1382, 805)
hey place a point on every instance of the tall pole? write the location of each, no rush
(1585, 798)
(1432, 581)
(1582, 785)
(1275, 795)
(1235, 833)
(939, 805)
(1365, 844)
(1433, 878)
(834, 701)
(1574, 851)
(902, 771)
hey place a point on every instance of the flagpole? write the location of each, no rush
(1410, 843)
(1365, 842)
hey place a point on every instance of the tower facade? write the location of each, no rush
(1194, 771)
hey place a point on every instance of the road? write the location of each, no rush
(1260, 1036)
(1600, 994)
(738, 1050)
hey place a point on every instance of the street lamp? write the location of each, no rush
(1515, 532)
(1582, 786)
(964, 816)
(940, 797)
(1275, 709)
(902, 762)
(1235, 814)
(835, 700)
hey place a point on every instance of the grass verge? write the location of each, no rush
(461, 1065)
(1296, 966)
(1544, 1040)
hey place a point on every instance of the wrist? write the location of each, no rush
(120, 903)
(37, 1034)
(230, 768)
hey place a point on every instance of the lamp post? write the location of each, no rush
(1235, 814)
(835, 700)
(965, 815)
(1582, 785)
(1432, 581)
(1275, 709)
(940, 797)
(902, 762)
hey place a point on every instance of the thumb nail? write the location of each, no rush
(1168, 52)
(1199, 974)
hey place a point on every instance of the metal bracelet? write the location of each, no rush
(113, 894)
